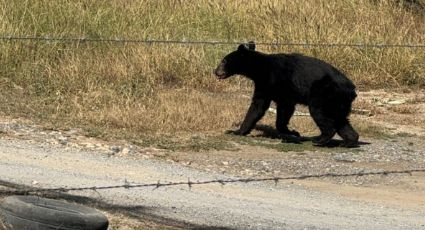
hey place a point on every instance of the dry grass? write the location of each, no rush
(134, 90)
(404, 109)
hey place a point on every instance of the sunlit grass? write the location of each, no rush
(130, 90)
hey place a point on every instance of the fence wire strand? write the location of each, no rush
(47, 39)
(190, 184)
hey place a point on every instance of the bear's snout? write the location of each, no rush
(220, 73)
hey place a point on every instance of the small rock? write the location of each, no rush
(71, 132)
(115, 149)
(125, 151)
(51, 141)
(160, 154)
(396, 102)
(63, 140)
(124, 227)
(88, 145)
(225, 163)
(344, 158)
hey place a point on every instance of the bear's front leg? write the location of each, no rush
(255, 112)
(283, 115)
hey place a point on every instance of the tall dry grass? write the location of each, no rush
(139, 89)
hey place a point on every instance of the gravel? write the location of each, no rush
(57, 159)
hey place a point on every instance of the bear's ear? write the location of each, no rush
(242, 47)
(251, 45)
(247, 46)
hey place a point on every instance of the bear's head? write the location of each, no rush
(235, 62)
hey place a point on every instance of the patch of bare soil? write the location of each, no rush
(399, 112)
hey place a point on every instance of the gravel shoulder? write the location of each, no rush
(244, 206)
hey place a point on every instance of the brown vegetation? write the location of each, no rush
(133, 90)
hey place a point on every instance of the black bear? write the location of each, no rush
(290, 79)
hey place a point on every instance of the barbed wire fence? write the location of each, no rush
(26, 190)
(13, 189)
(49, 39)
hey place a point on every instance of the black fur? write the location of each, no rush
(290, 79)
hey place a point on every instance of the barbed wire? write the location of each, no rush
(9, 38)
(189, 183)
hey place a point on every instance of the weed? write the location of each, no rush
(137, 90)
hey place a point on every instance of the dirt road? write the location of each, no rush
(242, 206)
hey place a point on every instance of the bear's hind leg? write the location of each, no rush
(349, 135)
(325, 124)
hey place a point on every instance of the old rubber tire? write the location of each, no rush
(31, 212)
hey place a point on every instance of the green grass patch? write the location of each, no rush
(230, 143)
(193, 143)
(280, 146)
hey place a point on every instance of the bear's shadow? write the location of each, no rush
(268, 131)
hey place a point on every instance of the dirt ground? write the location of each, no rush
(399, 113)
(397, 142)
